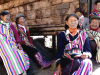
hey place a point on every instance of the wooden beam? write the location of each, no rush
(44, 26)
(54, 42)
(45, 33)
(47, 29)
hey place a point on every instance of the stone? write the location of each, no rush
(54, 11)
(38, 14)
(11, 4)
(25, 7)
(25, 1)
(73, 6)
(30, 22)
(5, 6)
(14, 10)
(46, 12)
(68, 0)
(1, 1)
(37, 21)
(32, 0)
(44, 21)
(21, 9)
(63, 17)
(63, 11)
(57, 20)
(41, 4)
(1, 7)
(31, 15)
(76, 4)
(63, 6)
(12, 17)
(55, 2)
(21, 2)
(47, 21)
(15, 3)
(29, 6)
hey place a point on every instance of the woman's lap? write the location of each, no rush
(77, 67)
(70, 68)
(29, 50)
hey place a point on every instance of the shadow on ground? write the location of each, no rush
(96, 67)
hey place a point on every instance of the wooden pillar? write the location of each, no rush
(53, 42)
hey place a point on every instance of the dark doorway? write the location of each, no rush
(87, 6)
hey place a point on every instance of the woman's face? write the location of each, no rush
(72, 22)
(94, 24)
(98, 7)
(79, 14)
(21, 21)
(5, 18)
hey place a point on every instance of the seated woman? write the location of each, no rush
(94, 36)
(73, 50)
(15, 60)
(27, 44)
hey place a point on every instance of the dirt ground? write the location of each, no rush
(35, 70)
(52, 69)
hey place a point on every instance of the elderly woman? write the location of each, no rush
(73, 50)
(27, 43)
(93, 33)
(15, 60)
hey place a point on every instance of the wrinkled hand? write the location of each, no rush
(84, 56)
(19, 46)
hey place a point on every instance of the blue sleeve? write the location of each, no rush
(60, 46)
(87, 47)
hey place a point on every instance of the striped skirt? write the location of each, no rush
(78, 67)
(15, 61)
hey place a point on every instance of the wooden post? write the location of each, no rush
(53, 42)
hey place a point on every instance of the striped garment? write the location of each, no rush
(75, 48)
(96, 36)
(85, 68)
(23, 35)
(96, 13)
(15, 61)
